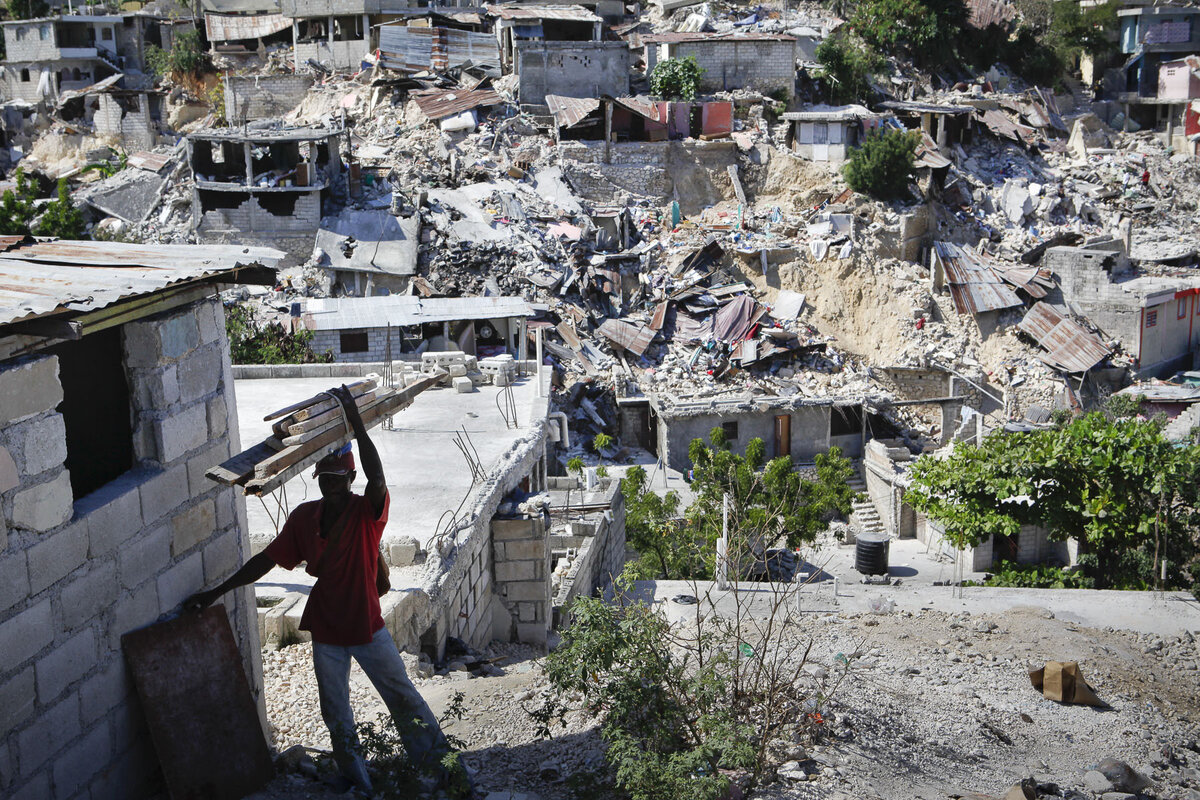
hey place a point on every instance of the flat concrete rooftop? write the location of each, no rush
(426, 474)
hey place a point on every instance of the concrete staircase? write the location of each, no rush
(863, 516)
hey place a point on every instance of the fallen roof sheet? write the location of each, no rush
(644, 107)
(830, 113)
(144, 159)
(95, 88)
(344, 313)
(973, 283)
(370, 241)
(927, 154)
(45, 277)
(1164, 392)
(568, 111)
(736, 319)
(634, 338)
(234, 27)
(674, 37)
(1072, 348)
(566, 13)
(926, 108)
(1003, 126)
(438, 104)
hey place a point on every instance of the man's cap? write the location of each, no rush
(340, 462)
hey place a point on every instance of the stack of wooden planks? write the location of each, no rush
(304, 432)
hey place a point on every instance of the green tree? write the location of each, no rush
(676, 78)
(186, 56)
(17, 207)
(252, 342)
(574, 465)
(847, 66)
(883, 165)
(924, 30)
(654, 529)
(27, 9)
(61, 218)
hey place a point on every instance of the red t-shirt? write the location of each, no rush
(342, 608)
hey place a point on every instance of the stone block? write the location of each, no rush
(180, 581)
(530, 591)
(156, 387)
(192, 526)
(519, 528)
(200, 374)
(163, 492)
(43, 444)
(515, 571)
(14, 579)
(74, 768)
(403, 552)
(210, 316)
(65, 664)
(49, 732)
(29, 386)
(527, 612)
(179, 333)
(87, 596)
(463, 385)
(181, 432)
(44, 506)
(113, 513)
(17, 699)
(60, 554)
(527, 549)
(458, 370)
(101, 693)
(218, 417)
(222, 557)
(531, 632)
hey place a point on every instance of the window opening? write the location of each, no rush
(730, 430)
(354, 342)
(1151, 318)
(845, 420)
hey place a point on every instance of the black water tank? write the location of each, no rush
(871, 553)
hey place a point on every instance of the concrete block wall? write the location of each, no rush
(347, 55)
(765, 66)
(31, 41)
(600, 540)
(918, 384)
(650, 170)
(251, 217)
(16, 89)
(376, 343)
(521, 558)
(571, 69)
(133, 128)
(1086, 285)
(78, 572)
(248, 98)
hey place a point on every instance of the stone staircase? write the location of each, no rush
(863, 516)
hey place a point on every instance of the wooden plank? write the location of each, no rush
(568, 334)
(202, 720)
(356, 388)
(237, 470)
(331, 421)
(291, 427)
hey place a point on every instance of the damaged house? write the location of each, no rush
(133, 118)
(559, 50)
(266, 184)
(335, 35)
(765, 62)
(830, 133)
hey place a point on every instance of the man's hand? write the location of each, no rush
(342, 393)
(199, 601)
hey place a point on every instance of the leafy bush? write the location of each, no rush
(393, 775)
(17, 207)
(27, 9)
(846, 67)
(676, 78)
(883, 165)
(254, 343)
(61, 218)
(922, 29)
(184, 58)
(1037, 576)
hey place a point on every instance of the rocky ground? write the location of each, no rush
(936, 705)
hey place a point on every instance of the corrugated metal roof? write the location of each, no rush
(232, 27)
(568, 111)
(975, 287)
(634, 338)
(439, 49)
(41, 278)
(1071, 347)
(674, 37)
(95, 88)
(644, 107)
(378, 312)
(927, 154)
(441, 103)
(926, 108)
(558, 13)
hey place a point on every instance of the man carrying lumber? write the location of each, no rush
(338, 536)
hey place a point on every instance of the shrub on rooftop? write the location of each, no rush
(846, 67)
(883, 165)
(676, 78)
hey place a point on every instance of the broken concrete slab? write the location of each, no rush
(130, 195)
(369, 241)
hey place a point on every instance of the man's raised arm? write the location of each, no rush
(368, 456)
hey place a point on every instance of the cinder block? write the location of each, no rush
(180, 581)
(14, 579)
(530, 549)
(163, 492)
(136, 610)
(199, 374)
(181, 432)
(222, 557)
(44, 506)
(35, 788)
(531, 591)
(17, 699)
(65, 664)
(531, 633)
(515, 571)
(463, 385)
(56, 557)
(156, 387)
(200, 463)
(210, 315)
(49, 732)
(145, 557)
(29, 386)
(192, 526)
(83, 759)
(104, 691)
(43, 444)
(518, 528)
(113, 513)
(218, 417)
(178, 334)
(403, 552)
(140, 341)
(86, 597)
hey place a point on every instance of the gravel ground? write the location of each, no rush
(937, 705)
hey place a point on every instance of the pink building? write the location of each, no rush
(1179, 80)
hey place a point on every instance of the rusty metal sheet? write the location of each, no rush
(569, 111)
(144, 159)
(415, 49)
(660, 316)
(202, 718)
(441, 103)
(1001, 125)
(234, 27)
(1070, 346)
(566, 13)
(974, 285)
(928, 156)
(634, 338)
(736, 319)
(643, 107)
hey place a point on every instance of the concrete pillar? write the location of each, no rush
(295, 41)
(538, 372)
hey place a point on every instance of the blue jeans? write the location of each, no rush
(380, 660)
